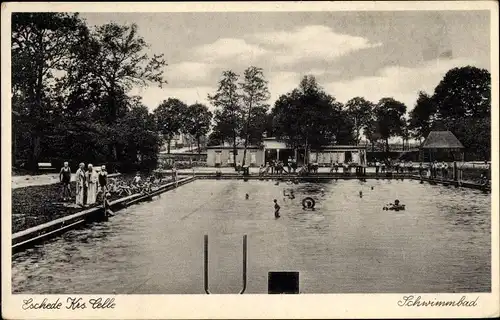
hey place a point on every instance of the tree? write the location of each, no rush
(140, 140)
(254, 95)
(257, 126)
(389, 115)
(215, 138)
(463, 92)
(41, 46)
(405, 135)
(306, 117)
(372, 132)
(197, 121)
(463, 102)
(422, 116)
(359, 111)
(170, 118)
(113, 60)
(228, 116)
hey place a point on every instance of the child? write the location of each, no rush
(137, 179)
(276, 209)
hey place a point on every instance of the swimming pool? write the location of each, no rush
(440, 243)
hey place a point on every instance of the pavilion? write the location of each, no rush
(441, 146)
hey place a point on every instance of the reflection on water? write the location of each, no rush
(440, 243)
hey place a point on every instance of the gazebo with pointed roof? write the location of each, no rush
(441, 146)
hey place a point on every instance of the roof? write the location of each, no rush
(238, 146)
(441, 140)
(342, 147)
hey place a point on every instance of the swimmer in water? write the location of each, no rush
(289, 195)
(247, 196)
(372, 187)
(361, 194)
(276, 209)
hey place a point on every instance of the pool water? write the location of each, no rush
(440, 243)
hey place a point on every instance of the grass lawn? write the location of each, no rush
(35, 205)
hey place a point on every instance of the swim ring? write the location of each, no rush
(394, 207)
(308, 203)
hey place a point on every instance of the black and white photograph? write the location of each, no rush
(250, 152)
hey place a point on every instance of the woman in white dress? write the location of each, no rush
(80, 183)
(91, 178)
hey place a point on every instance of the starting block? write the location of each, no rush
(283, 282)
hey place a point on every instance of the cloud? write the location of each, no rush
(228, 49)
(311, 43)
(183, 72)
(401, 83)
(282, 83)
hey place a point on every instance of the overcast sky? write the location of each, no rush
(368, 54)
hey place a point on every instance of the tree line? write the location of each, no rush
(70, 100)
(308, 117)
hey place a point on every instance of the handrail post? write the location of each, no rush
(244, 264)
(206, 264)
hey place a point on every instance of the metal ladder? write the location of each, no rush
(205, 265)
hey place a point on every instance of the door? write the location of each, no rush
(347, 156)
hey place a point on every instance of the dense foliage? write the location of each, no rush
(69, 92)
(461, 103)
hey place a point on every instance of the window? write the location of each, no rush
(231, 157)
(253, 157)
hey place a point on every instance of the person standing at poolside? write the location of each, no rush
(65, 178)
(444, 169)
(91, 179)
(80, 183)
(438, 169)
(294, 165)
(103, 179)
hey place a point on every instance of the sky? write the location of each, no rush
(368, 54)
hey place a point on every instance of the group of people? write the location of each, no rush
(438, 169)
(335, 166)
(279, 167)
(136, 185)
(89, 183)
(396, 166)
